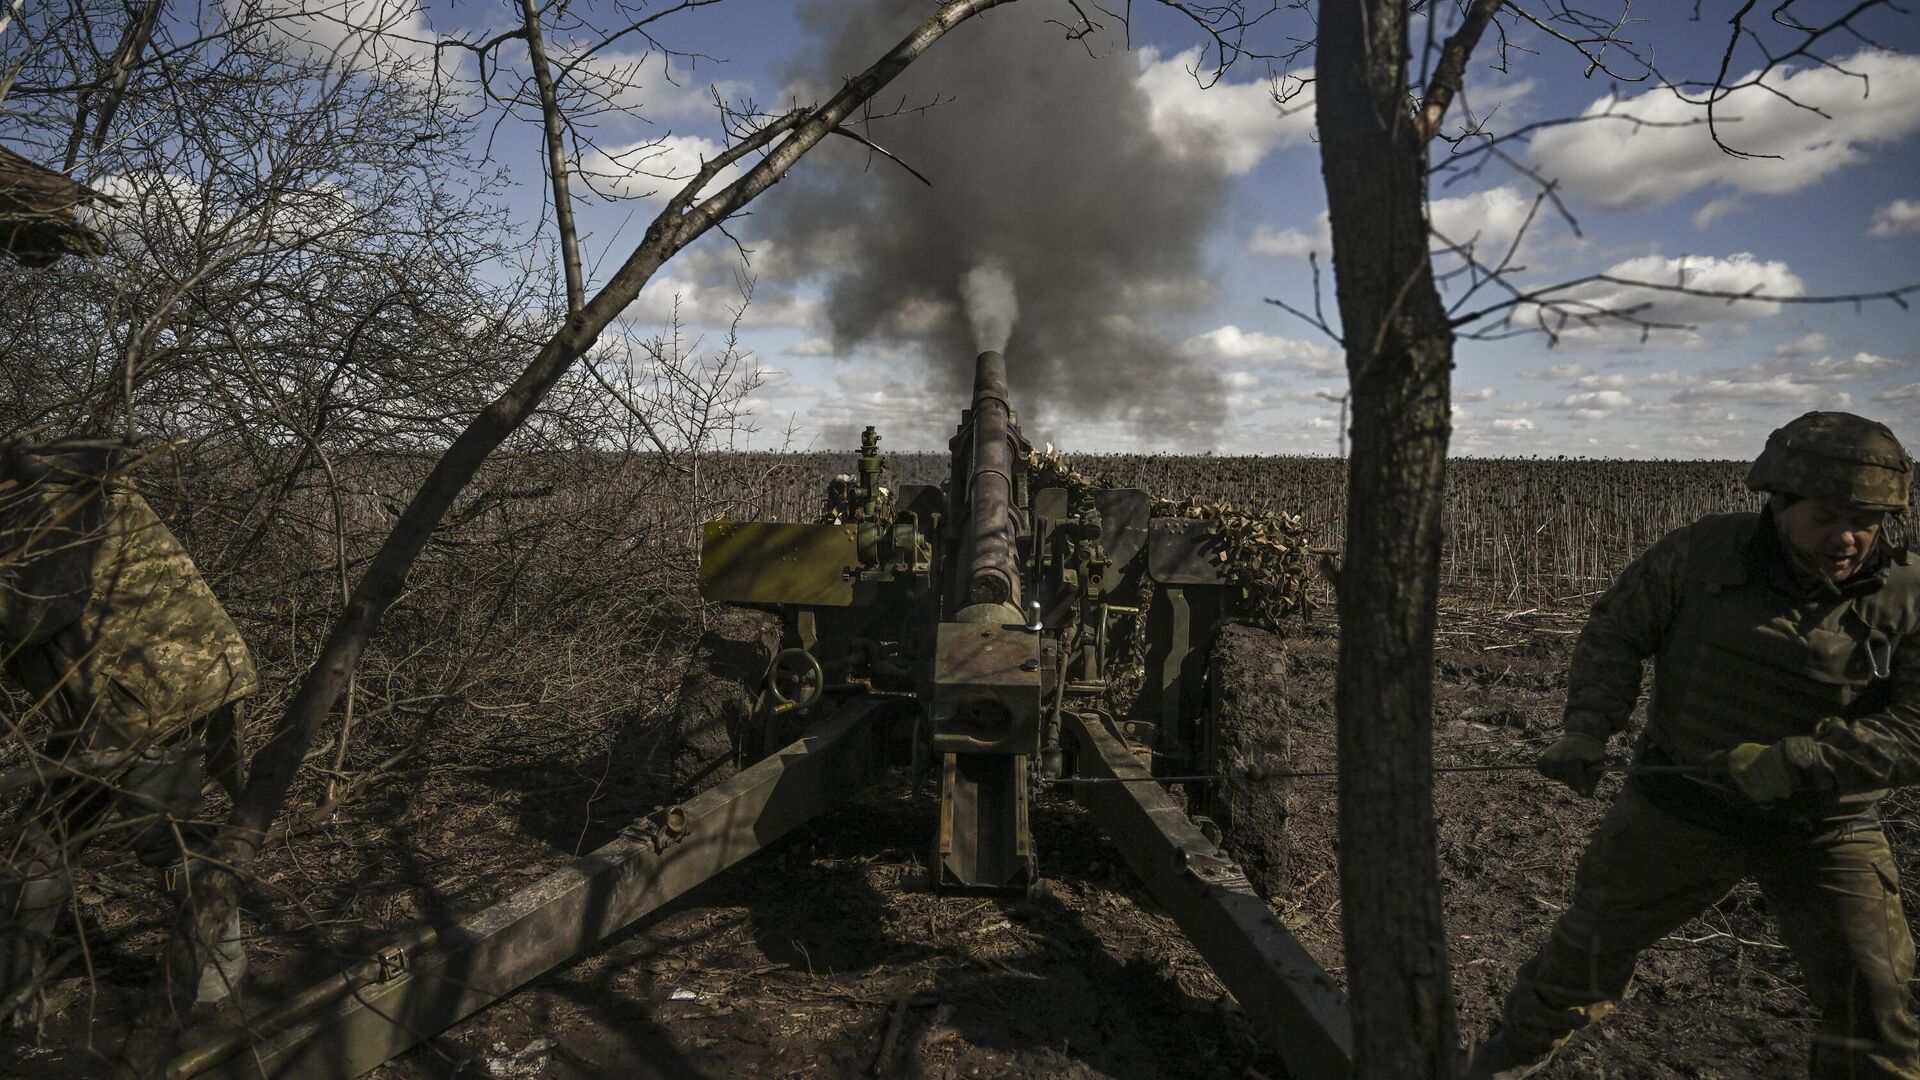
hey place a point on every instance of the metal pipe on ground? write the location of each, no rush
(1292, 1003)
(360, 1018)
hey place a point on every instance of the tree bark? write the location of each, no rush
(215, 888)
(1399, 349)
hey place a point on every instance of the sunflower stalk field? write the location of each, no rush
(1519, 530)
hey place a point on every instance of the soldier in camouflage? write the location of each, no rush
(136, 674)
(1786, 667)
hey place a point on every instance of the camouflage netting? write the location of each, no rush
(1269, 556)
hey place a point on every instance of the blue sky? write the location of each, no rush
(1838, 212)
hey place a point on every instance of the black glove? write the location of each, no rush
(1574, 759)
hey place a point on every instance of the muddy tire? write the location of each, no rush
(713, 718)
(1251, 728)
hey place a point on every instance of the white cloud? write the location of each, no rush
(651, 85)
(1485, 393)
(1909, 392)
(173, 200)
(653, 169)
(1234, 123)
(1605, 400)
(1861, 365)
(1559, 371)
(1777, 390)
(1232, 345)
(1516, 426)
(156, 203)
(1896, 217)
(1617, 164)
(1292, 243)
(1715, 209)
(1774, 382)
(1485, 94)
(1594, 404)
(1689, 416)
(1810, 344)
(1735, 274)
(358, 35)
(1694, 431)
(1653, 379)
(710, 302)
(1488, 221)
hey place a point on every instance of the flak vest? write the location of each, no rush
(102, 612)
(1747, 658)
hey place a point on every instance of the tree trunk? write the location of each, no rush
(1399, 358)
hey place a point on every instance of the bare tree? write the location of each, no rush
(1399, 361)
(286, 277)
(1381, 104)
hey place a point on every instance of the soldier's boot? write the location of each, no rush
(227, 963)
(29, 910)
(1497, 1059)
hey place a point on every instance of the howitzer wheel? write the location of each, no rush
(795, 680)
(1248, 725)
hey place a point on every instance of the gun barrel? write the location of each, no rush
(993, 568)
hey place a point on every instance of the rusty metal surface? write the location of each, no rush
(355, 1021)
(1292, 1002)
(1186, 551)
(985, 695)
(987, 655)
(767, 562)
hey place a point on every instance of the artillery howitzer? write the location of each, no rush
(1007, 632)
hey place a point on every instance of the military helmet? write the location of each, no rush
(66, 460)
(1835, 455)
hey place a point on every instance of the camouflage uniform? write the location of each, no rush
(128, 655)
(1746, 651)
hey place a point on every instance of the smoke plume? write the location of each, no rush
(1044, 164)
(987, 292)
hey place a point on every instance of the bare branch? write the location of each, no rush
(1592, 38)
(1453, 66)
(550, 121)
(1318, 319)
(882, 151)
(1545, 297)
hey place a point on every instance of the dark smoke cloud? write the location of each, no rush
(1043, 163)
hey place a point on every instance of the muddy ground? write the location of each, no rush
(826, 955)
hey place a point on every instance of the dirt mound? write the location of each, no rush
(1247, 685)
(708, 729)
